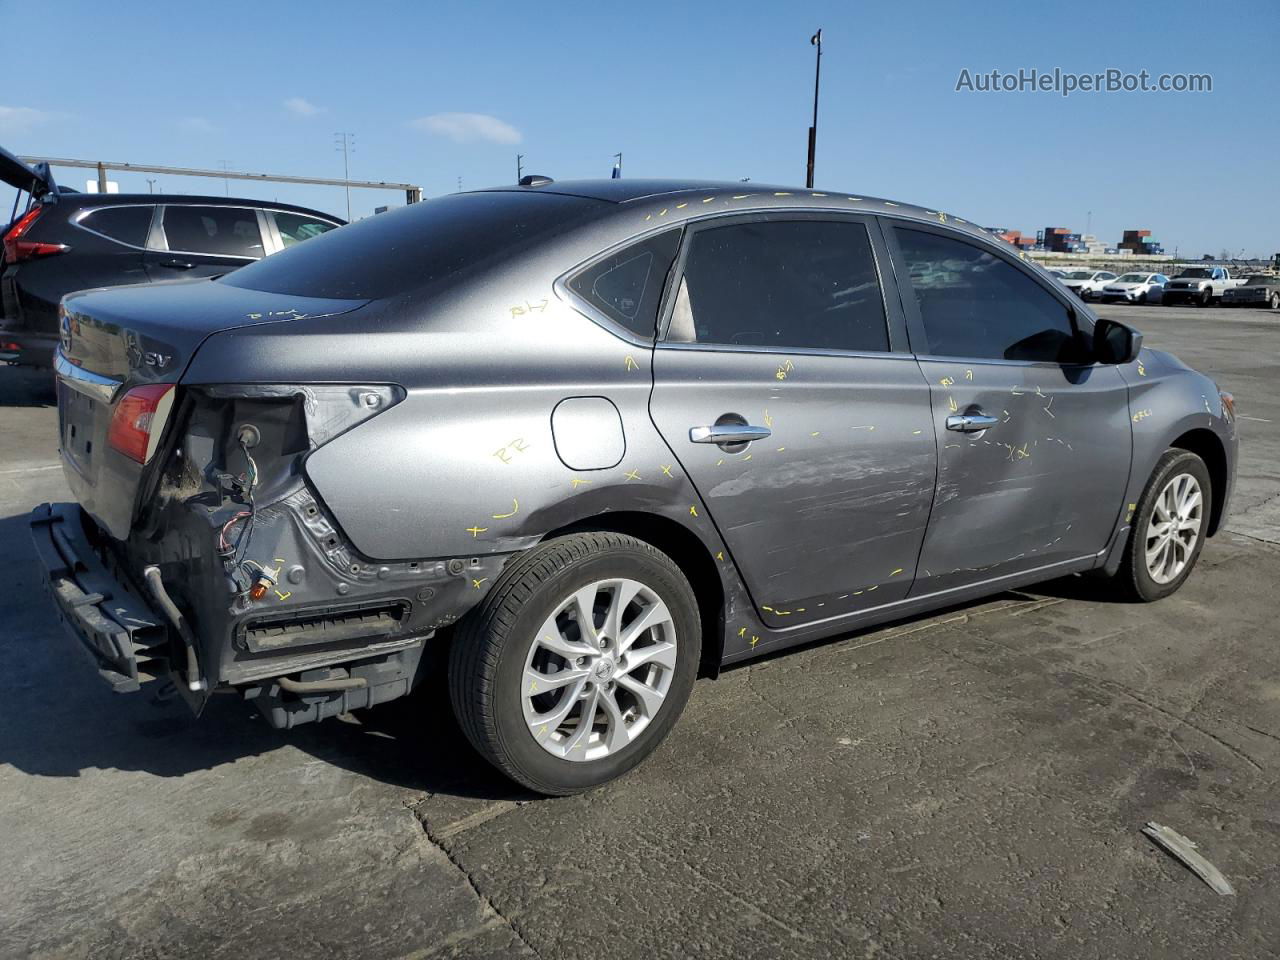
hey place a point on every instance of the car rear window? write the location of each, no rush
(407, 249)
(126, 224)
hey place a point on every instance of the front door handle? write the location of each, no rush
(728, 433)
(970, 422)
(177, 264)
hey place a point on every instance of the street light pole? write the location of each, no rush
(816, 40)
(519, 167)
(345, 142)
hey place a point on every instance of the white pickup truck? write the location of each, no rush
(1200, 285)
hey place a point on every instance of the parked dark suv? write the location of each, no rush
(66, 241)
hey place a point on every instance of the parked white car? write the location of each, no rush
(1087, 284)
(1135, 288)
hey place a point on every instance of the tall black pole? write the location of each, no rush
(816, 40)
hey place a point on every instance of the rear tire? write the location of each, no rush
(561, 706)
(1160, 553)
(1275, 301)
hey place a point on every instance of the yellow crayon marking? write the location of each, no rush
(632, 475)
(648, 216)
(476, 531)
(681, 206)
(780, 449)
(947, 381)
(817, 194)
(277, 560)
(720, 555)
(951, 404)
(815, 433)
(741, 196)
(533, 686)
(747, 457)
(888, 204)
(782, 194)
(865, 426)
(742, 632)
(720, 462)
(896, 572)
(799, 609)
(1142, 371)
(708, 200)
(942, 217)
(857, 593)
(515, 508)
(854, 199)
(542, 731)
(768, 420)
(663, 213)
(876, 587)
(754, 641)
(630, 363)
(476, 583)
(284, 596)
(577, 482)
(916, 433)
(769, 609)
(968, 374)
(666, 469)
(693, 511)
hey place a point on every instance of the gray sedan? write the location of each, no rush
(591, 440)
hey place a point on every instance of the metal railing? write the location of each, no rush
(412, 192)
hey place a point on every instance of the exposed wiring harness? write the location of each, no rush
(234, 554)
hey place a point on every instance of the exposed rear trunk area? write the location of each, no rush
(118, 351)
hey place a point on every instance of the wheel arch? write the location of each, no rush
(688, 552)
(1206, 445)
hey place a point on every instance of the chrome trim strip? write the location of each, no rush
(82, 381)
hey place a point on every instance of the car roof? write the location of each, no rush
(123, 199)
(647, 193)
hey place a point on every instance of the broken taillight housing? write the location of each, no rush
(16, 249)
(138, 420)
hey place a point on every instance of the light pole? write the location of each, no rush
(519, 167)
(816, 40)
(346, 143)
(151, 185)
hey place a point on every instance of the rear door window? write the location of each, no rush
(978, 305)
(218, 231)
(124, 224)
(783, 284)
(626, 287)
(296, 227)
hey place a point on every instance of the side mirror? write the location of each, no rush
(1115, 342)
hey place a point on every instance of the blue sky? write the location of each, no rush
(683, 90)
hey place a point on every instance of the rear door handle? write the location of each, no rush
(728, 433)
(970, 422)
(177, 264)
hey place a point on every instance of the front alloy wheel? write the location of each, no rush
(577, 663)
(1168, 527)
(1174, 528)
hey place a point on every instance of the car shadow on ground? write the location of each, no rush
(57, 719)
(26, 387)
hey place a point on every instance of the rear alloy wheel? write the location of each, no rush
(576, 665)
(1168, 527)
(1275, 301)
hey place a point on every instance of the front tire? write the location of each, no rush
(578, 662)
(1168, 528)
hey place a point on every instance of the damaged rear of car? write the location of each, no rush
(200, 550)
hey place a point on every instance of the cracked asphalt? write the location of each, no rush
(971, 784)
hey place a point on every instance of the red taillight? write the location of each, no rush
(139, 419)
(16, 249)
